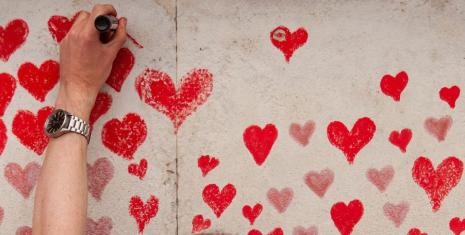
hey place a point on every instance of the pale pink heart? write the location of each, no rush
(2, 213)
(24, 230)
(319, 182)
(313, 230)
(22, 180)
(98, 176)
(101, 227)
(302, 134)
(438, 127)
(280, 199)
(380, 178)
(396, 213)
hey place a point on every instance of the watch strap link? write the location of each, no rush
(79, 126)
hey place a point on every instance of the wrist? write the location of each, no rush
(78, 102)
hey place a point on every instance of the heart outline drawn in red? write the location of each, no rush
(98, 176)
(345, 217)
(260, 141)
(7, 90)
(39, 81)
(143, 212)
(122, 66)
(394, 86)
(206, 163)
(216, 200)
(199, 224)
(288, 42)
(401, 139)
(24, 179)
(250, 213)
(138, 170)
(12, 37)
(450, 95)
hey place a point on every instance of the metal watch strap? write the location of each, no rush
(79, 126)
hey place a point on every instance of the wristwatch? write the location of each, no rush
(61, 122)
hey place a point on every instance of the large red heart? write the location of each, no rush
(457, 226)
(450, 95)
(276, 231)
(288, 42)
(23, 180)
(301, 134)
(138, 170)
(199, 224)
(143, 212)
(319, 182)
(345, 217)
(156, 89)
(216, 200)
(101, 106)
(29, 128)
(39, 81)
(3, 136)
(280, 199)
(7, 89)
(24, 230)
(122, 66)
(60, 25)
(351, 142)
(396, 213)
(102, 226)
(252, 213)
(124, 137)
(260, 141)
(438, 127)
(401, 139)
(393, 86)
(313, 230)
(437, 183)
(207, 163)
(380, 178)
(12, 37)
(98, 176)
(416, 231)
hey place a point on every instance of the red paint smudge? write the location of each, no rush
(39, 81)
(24, 230)
(23, 180)
(345, 217)
(380, 178)
(12, 37)
(134, 41)
(3, 136)
(138, 170)
(393, 86)
(457, 226)
(415, 231)
(280, 199)
(101, 106)
(7, 90)
(301, 134)
(143, 212)
(450, 95)
(207, 163)
(252, 213)
(438, 127)
(98, 176)
(401, 139)
(60, 25)
(102, 226)
(199, 224)
(216, 200)
(313, 230)
(396, 213)
(260, 141)
(288, 42)
(122, 66)
(319, 182)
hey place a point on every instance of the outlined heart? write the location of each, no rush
(450, 95)
(12, 37)
(122, 66)
(143, 212)
(437, 183)
(302, 134)
(260, 141)
(345, 217)
(102, 105)
(98, 176)
(457, 226)
(350, 143)
(319, 182)
(416, 231)
(7, 90)
(124, 137)
(394, 86)
(199, 224)
(288, 42)
(138, 170)
(381, 178)
(438, 127)
(3, 136)
(396, 213)
(24, 230)
(280, 199)
(216, 200)
(39, 81)
(207, 163)
(156, 89)
(22, 180)
(250, 213)
(29, 128)
(60, 25)
(102, 226)
(299, 230)
(401, 139)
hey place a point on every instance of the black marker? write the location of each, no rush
(106, 23)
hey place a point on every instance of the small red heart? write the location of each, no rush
(29, 128)
(380, 178)
(252, 214)
(24, 230)
(350, 143)
(99, 175)
(39, 81)
(199, 224)
(207, 163)
(143, 212)
(60, 25)
(276, 231)
(437, 183)
(288, 42)
(254, 232)
(23, 180)
(346, 217)
(301, 134)
(319, 182)
(3, 136)
(7, 90)
(216, 200)
(401, 139)
(122, 66)
(393, 86)
(101, 106)
(260, 141)
(396, 213)
(415, 231)
(102, 226)
(438, 127)
(457, 226)
(313, 230)
(156, 89)
(124, 137)
(450, 95)
(138, 170)
(12, 37)
(280, 199)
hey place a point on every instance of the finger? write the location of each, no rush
(120, 35)
(80, 17)
(99, 9)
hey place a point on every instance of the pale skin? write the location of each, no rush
(60, 204)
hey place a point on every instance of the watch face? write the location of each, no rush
(55, 121)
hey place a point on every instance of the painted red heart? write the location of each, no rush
(39, 81)
(437, 183)
(260, 141)
(3, 136)
(29, 128)
(252, 213)
(438, 127)
(396, 213)
(450, 95)
(313, 230)
(156, 89)
(350, 143)
(60, 25)
(276, 231)
(102, 226)
(415, 231)
(288, 42)
(199, 224)
(207, 163)
(23, 180)
(301, 134)
(12, 37)
(393, 86)
(98, 176)
(7, 90)
(101, 106)
(280, 199)
(254, 232)
(457, 226)
(124, 137)
(138, 170)
(319, 182)
(401, 139)
(122, 66)
(345, 217)
(24, 230)
(143, 212)
(216, 200)
(380, 178)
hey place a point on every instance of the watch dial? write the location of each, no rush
(55, 121)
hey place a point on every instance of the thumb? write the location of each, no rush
(119, 38)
